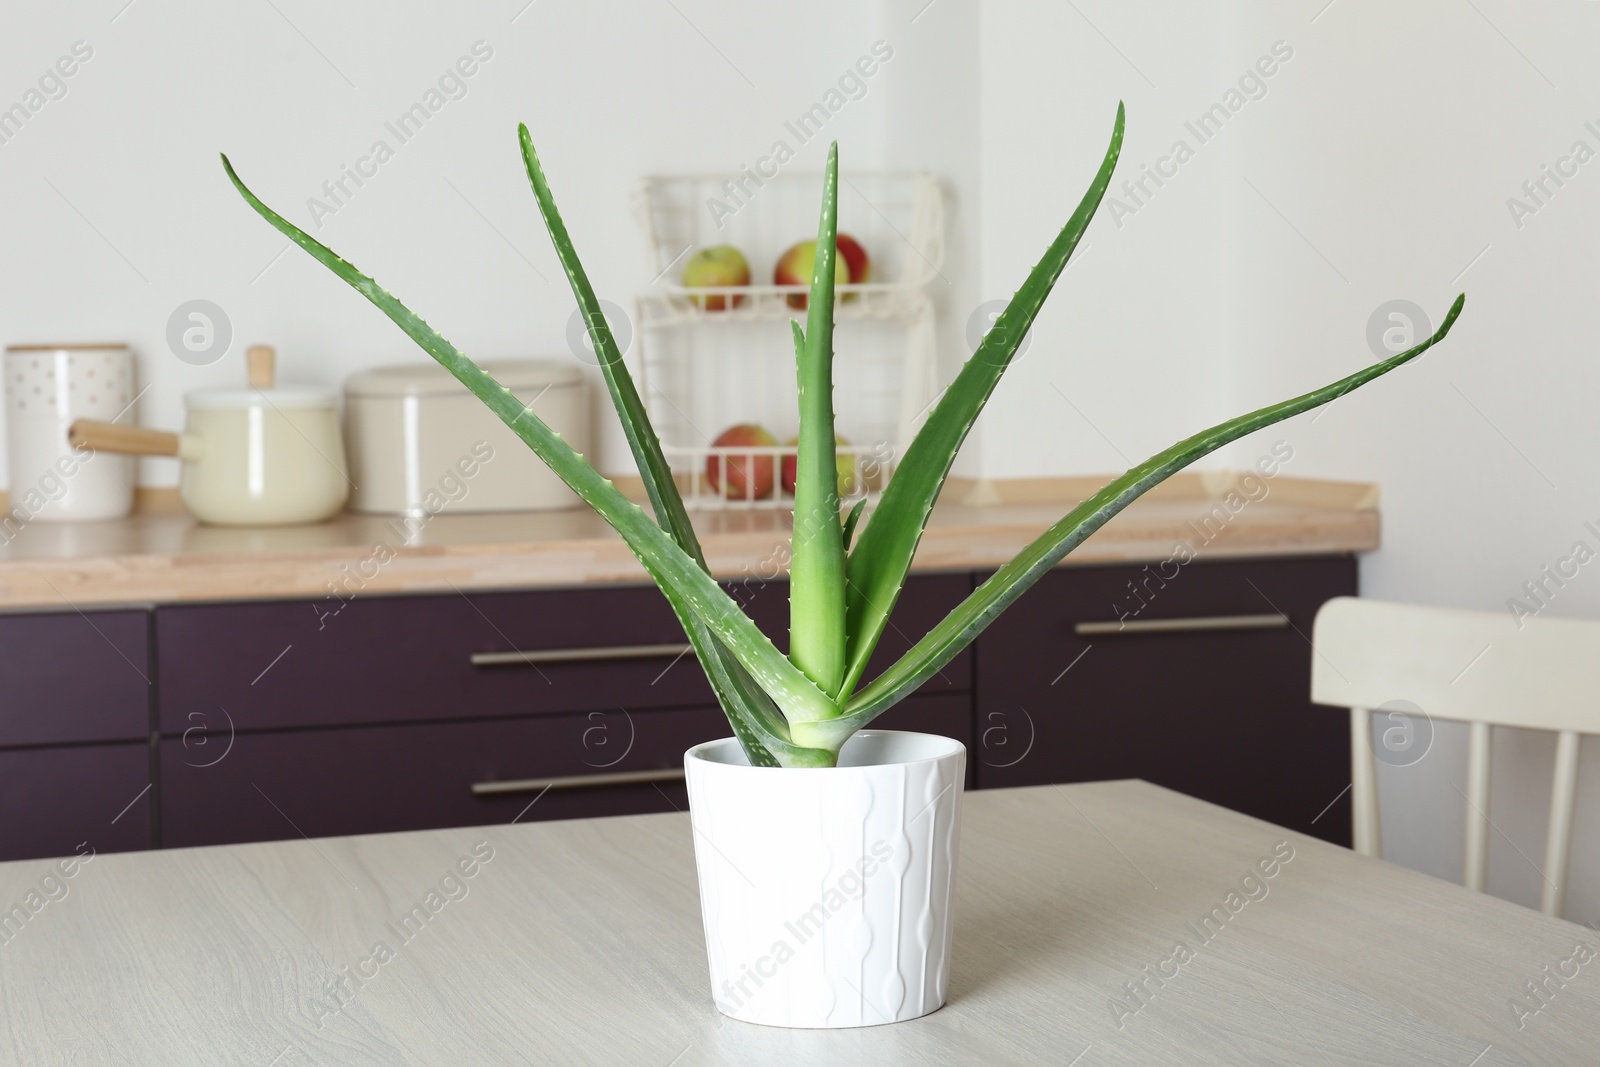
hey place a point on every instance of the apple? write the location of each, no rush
(845, 461)
(795, 267)
(717, 266)
(741, 477)
(851, 252)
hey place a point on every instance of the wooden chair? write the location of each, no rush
(1481, 668)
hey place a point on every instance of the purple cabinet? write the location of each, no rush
(277, 719)
(54, 799)
(69, 677)
(276, 665)
(74, 733)
(384, 716)
(1199, 681)
(369, 779)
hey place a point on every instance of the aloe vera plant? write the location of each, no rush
(797, 710)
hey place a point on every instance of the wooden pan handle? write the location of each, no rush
(259, 362)
(126, 440)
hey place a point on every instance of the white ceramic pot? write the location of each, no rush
(827, 893)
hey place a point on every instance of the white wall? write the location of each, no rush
(1376, 166)
(931, 123)
(1124, 358)
(609, 91)
(1399, 136)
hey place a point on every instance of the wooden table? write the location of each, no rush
(580, 942)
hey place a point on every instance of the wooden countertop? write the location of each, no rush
(162, 558)
(581, 942)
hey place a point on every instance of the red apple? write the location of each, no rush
(795, 266)
(845, 461)
(851, 252)
(717, 266)
(741, 477)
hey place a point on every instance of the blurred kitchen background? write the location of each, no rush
(1377, 162)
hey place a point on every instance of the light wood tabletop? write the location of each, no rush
(580, 942)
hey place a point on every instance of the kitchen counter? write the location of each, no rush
(165, 558)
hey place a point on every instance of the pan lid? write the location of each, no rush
(298, 397)
(431, 379)
(263, 390)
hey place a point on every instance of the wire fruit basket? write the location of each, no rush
(713, 358)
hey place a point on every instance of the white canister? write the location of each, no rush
(827, 892)
(47, 388)
(411, 430)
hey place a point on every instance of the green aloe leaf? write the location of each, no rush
(968, 619)
(656, 473)
(755, 719)
(787, 711)
(668, 563)
(882, 556)
(851, 520)
(817, 562)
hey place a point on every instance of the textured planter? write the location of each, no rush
(827, 893)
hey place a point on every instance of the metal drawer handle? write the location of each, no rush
(1212, 623)
(578, 655)
(577, 781)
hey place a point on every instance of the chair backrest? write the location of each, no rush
(1483, 668)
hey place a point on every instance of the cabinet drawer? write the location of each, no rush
(376, 779)
(70, 677)
(362, 780)
(53, 799)
(1204, 689)
(288, 664)
(279, 665)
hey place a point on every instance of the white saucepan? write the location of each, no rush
(261, 456)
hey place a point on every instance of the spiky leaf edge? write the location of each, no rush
(817, 640)
(881, 559)
(756, 721)
(968, 619)
(673, 569)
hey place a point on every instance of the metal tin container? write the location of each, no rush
(420, 443)
(47, 387)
